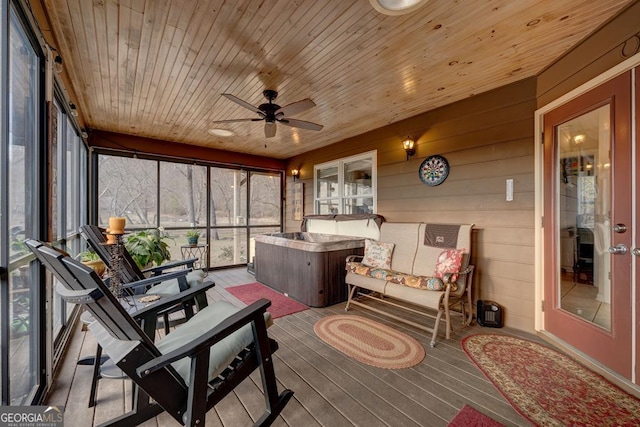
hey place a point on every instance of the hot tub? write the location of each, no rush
(308, 267)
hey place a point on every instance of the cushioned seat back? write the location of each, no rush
(405, 237)
(436, 238)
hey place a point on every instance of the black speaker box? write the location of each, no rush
(489, 314)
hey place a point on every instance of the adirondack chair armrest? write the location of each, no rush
(252, 313)
(159, 269)
(173, 300)
(84, 296)
(155, 279)
(354, 258)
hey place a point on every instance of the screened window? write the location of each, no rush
(346, 186)
(21, 204)
(128, 187)
(226, 206)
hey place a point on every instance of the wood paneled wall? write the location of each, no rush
(608, 46)
(486, 139)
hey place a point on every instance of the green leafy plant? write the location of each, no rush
(93, 260)
(88, 256)
(193, 233)
(148, 247)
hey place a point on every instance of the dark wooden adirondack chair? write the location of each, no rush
(131, 272)
(187, 372)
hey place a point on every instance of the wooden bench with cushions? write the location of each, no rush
(425, 265)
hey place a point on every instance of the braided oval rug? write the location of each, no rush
(369, 342)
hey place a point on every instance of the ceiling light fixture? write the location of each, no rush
(579, 139)
(396, 7)
(225, 133)
(74, 110)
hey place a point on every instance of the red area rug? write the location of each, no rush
(369, 342)
(547, 387)
(471, 417)
(280, 304)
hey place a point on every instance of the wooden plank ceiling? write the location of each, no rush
(157, 68)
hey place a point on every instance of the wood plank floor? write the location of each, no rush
(330, 388)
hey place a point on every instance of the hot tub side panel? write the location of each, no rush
(316, 279)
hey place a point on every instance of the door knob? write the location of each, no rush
(619, 228)
(636, 251)
(619, 249)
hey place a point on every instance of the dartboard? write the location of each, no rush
(434, 170)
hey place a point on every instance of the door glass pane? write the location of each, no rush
(265, 198)
(584, 216)
(228, 234)
(228, 197)
(229, 247)
(22, 192)
(183, 195)
(127, 187)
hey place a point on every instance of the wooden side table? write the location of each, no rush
(199, 251)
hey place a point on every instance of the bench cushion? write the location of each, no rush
(428, 283)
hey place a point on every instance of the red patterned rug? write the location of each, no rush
(547, 387)
(369, 342)
(280, 304)
(471, 417)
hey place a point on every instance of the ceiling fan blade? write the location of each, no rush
(296, 107)
(242, 103)
(236, 120)
(269, 129)
(294, 123)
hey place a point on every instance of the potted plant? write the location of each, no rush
(148, 247)
(192, 236)
(92, 260)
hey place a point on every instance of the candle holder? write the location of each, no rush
(116, 251)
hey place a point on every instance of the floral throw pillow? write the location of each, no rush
(377, 254)
(449, 261)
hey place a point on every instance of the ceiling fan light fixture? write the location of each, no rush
(272, 113)
(396, 7)
(225, 133)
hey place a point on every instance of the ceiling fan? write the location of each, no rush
(272, 113)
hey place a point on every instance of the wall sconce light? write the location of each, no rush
(295, 173)
(74, 111)
(57, 63)
(409, 146)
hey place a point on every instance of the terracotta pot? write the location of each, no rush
(98, 266)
